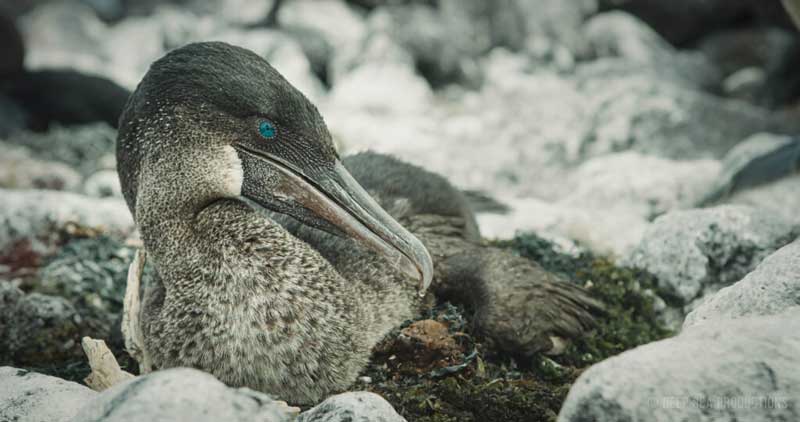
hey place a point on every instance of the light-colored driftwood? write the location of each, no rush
(131, 327)
(105, 369)
(793, 7)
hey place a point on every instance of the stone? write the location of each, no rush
(359, 406)
(737, 370)
(694, 252)
(440, 49)
(91, 274)
(30, 397)
(640, 111)
(342, 26)
(281, 51)
(781, 197)
(619, 34)
(103, 184)
(181, 394)
(772, 288)
(30, 218)
(756, 161)
(19, 170)
(36, 329)
(683, 22)
(84, 148)
(650, 185)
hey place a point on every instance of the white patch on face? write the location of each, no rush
(234, 175)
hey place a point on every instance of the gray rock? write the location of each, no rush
(651, 115)
(430, 36)
(83, 148)
(682, 22)
(36, 329)
(772, 288)
(30, 219)
(696, 251)
(30, 397)
(359, 406)
(181, 394)
(759, 172)
(618, 34)
(781, 197)
(91, 274)
(520, 24)
(103, 184)
(739, 370)
(19, 170)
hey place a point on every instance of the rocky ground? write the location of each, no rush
(644, 153)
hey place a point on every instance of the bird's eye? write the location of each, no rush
(266, 129)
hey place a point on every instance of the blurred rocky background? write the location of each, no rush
(648, 148)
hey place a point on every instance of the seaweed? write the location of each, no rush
(499, 386)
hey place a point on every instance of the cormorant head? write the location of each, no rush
(212, 121)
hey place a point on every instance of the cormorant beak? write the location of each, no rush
(335, 197)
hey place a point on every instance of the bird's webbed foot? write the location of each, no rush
(522, 307)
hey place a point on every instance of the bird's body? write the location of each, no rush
(215, 150)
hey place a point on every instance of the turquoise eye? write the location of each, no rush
(266, 129)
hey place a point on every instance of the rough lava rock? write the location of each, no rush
(30, 397)
(36, 329)
(359, 406)
(695, 252)
(181, 394)
(738, 370)
(772, 288)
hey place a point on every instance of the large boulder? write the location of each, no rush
(696, 252)
(772, 288)
(739, 370)
(181, 394)
(30, 397)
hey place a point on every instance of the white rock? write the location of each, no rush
(739, 370)
(31, 215)
(619, 34)
(772, 288)
(103, 184)
(704, 249)
(64, 34)
(352, 406)
(30, 397)
(648, 185)
(181, 394)
(381, 88)
(781, 197)
(342, 26)
(19, 170)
